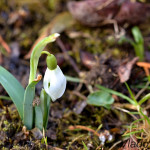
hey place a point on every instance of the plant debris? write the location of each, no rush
(125, 68)
(95, 12)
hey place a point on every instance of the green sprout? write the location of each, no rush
(138, 42)
(36, 114)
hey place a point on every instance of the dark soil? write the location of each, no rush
(96, 55)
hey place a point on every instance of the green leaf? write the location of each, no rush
(116, 93)
(45, 106)
(38, 118)
(100, 98)
(139, 51)
(13, 88)
(136, 121)
(146, 117)
(137, 35)
(85, 147)
(28, 104)
(124, 39)
(131, 94)
(47, 113)
(36, 53)
(5, 97)
(73, 79)
(144, 99)
(134, 132)
(139, 43)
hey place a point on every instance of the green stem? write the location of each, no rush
(45, 52)
(5, 98)
(36, 53)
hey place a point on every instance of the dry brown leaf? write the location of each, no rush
(94, 12)
(133, 12)
(88, 59)
(124, 69)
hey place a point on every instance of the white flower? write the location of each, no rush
(54, 83)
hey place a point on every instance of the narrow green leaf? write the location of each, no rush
(84, 146)
(13, 88)
(139, 50)
(43, 103)
(139, 43)
(129, 127)
(47, 114)
(5, 98)
(28, 104)
(116, 93)
(100, 98)
(144, 99)
(45, 106)
(131, 94)
(138, 137)
(38, 118)
(73, 79)
(134, 132)
(146, 117)
(137, 35)
(148, 78)
(134, 113)
(36, 53)
(124, 39)
(138, 120)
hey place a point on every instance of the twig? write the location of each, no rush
(56, 148)
(114, 22)
(147, 107)
(100, 147)
(84, 128)
(79, 95)
(126, 111)
(144, 65)
(61, 45)
(114, 145)
(75, 139)
(142, 90)
(125, 105)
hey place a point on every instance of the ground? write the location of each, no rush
(92, 56)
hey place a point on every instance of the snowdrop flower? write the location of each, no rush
(54, 79)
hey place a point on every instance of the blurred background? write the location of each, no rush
(96, 39)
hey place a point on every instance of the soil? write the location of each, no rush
(92, 54)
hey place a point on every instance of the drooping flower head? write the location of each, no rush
(54, 79)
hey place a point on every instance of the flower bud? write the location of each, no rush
(51, 62)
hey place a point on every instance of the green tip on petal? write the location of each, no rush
(51, 62)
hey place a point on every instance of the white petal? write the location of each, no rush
(46, 80)
(57, 82)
